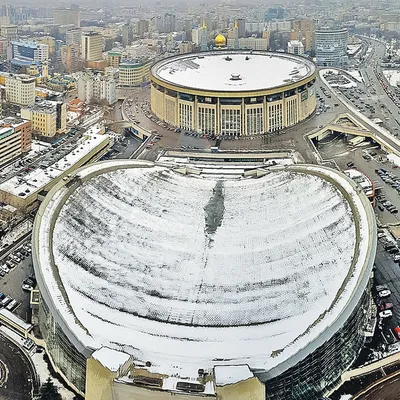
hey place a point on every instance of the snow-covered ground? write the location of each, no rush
(43, 372)
(356, 75)
(392, 76)
(72, 116)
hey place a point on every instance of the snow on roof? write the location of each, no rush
(110, 358)
(230, 374)
(233, 71)
(39, 178)
(181, 270)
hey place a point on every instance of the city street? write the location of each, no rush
(18, 384)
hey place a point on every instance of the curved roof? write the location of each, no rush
(188, 270)
(213, 71)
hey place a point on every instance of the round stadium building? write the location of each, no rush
(233, 93)
(243, 284)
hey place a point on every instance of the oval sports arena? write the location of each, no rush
(233, 93)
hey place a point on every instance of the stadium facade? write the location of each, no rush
(233, 93)
(249, 284)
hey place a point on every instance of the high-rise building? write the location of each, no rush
(49, 41)
(74, 36)
(331, 47)
(67, 16)
(188, 29)
(304, 31)
(20, 89)
(125, 33)
(203, 38)
(295, 47)
(241, 24)
(70, 57)
(236, 36)
(169, 23)
(92, 46)
(142, 27)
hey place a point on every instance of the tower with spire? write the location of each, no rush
(236, 35)
(203, 43)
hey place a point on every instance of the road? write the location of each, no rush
(388, 390)
(18, 384)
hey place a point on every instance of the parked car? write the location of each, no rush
(384, 293)
(26, 287)
(386, 314)
(385, 306)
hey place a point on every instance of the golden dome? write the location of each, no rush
(220, 40)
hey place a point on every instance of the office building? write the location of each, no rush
(70, 57)
(142, 27)
(331, 47)
(126, 35)
(304, 31)
(169, 23)
(92, 46)
(49, 41)
(134, 72)
(48, 117)
(15, 139)
(250, 43)
(9, 31)
(20, 89)
(241, 25)
(295, 47)
(67, 16)
(30, 51)
(74, 36)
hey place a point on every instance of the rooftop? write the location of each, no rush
(144, 254)
(218, 70)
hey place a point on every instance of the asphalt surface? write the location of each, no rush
(388, 390)
(18, 385)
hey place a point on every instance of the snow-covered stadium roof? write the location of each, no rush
(189, 272)
(233, 71)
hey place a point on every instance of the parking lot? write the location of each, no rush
(15, 271)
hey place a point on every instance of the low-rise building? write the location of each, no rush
(47, 117)
(251, 43)
(20, 89)
(15, 139)
(97, 88)
(24, 193)
(295, 47)
(33, 51)
(134, 72)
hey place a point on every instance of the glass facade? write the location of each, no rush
(320, 372)
(62, 351)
